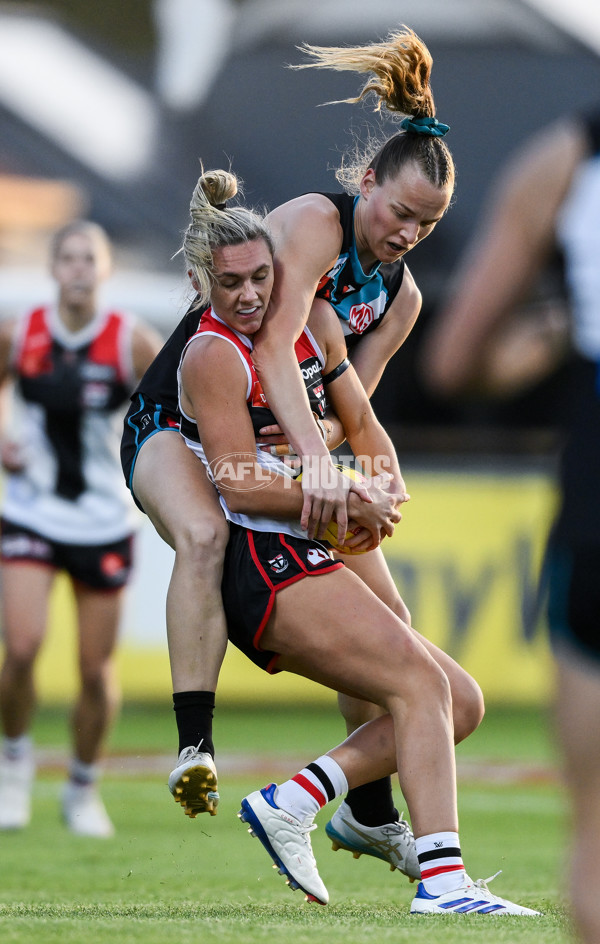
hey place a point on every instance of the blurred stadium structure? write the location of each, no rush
(106, 110)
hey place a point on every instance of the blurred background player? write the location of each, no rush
(65, 508)
(548, 197)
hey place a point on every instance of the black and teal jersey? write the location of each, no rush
(361, 299)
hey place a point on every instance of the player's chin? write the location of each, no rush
(248, 326)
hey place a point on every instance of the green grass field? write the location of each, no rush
(167, 878)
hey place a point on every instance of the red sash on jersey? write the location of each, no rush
(209, 323)
(33, 358)
(34, 355)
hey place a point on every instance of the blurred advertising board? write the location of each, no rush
(466, 559)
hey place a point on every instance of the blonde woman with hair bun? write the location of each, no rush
(292, 607)
(345, 250)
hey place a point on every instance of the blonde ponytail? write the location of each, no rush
(400, 67)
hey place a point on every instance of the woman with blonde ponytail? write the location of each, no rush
(345, 249)
(348, 248)
(291, 608)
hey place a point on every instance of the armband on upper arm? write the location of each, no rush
(337, 371)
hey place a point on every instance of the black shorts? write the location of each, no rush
(573, 579)
(257, 565)
(144, 418)
(100, 566)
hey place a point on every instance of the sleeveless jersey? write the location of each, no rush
(71, 388)
(311, 361)
(361, 299)
(578, 233)
(159, 382)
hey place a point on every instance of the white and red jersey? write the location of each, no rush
(72, 388)
(311, 361)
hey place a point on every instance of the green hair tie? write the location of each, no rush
(430, 126)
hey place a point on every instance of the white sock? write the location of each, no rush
(440, 858)
(82, 774)
(18, 747)
(311, 788)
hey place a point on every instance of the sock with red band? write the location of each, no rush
(440, 858)
(311, 788)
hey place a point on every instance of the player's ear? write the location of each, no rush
(368, 182)
(193, 280)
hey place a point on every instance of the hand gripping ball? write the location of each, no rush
(331, 534)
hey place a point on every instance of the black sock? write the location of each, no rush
(194, 716)
(373, 803)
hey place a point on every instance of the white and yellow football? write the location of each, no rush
(331, 534)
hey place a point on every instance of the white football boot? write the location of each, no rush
(193, 783)
(16, 785)
(287, 841)
(393, 842)
(84, 812)
(470, 898)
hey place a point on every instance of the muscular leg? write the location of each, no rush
(99, 615)
(467, 699)
(338, 633)
(25, 591)
(171, 484)
(372, 805)
(418, 738)
(578, 720)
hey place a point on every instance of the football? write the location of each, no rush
(331, 534)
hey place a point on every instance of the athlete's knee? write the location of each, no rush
(20, 655)
(203, 539)
(468, 707)
(420, 678)
(97, 677)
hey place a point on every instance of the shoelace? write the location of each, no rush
(402, 827)
(483, 882)
(399, 829)
(190, 751)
